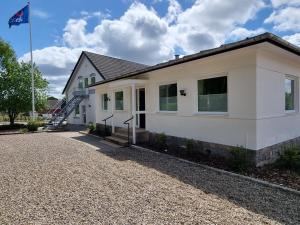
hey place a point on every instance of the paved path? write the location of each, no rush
(67, 178)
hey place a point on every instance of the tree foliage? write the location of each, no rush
(15, 84)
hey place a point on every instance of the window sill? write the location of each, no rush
(211, 114)
(167, 112)
(290, 112)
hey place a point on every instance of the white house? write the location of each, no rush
(240, 94)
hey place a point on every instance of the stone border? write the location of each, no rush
(258, 181)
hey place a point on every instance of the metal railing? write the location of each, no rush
(105, 124)
(128, 129)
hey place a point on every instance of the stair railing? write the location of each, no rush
(128, 130)
(105, 124)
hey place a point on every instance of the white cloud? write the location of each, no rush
(242, 33)
(142, 35)
(40, 13)
(286, 19)
(278, 3)
(294, 39)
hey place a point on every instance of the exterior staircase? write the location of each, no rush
(120, 137)
(67, 109)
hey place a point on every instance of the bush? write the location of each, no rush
(239, 161)
(24, 130)
(92, 128)
(33, 125)
(190, 145)
(161, 141)
(290, 159)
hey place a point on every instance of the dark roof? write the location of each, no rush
(266, 37)
(108, 67)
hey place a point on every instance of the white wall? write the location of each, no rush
(256, 117)
(274, 125)
(85, 69)
(237, 127)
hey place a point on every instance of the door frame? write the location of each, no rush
(138, 112)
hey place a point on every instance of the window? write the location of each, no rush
(93, 80)
(104, 102)
(168, 97)
(289, 94)
(86, 82)
(77, 112)
(119, 103)
(212, 95)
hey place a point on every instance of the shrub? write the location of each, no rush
(190, 145)
(24, 130)
(161, 141)
(290, 159)
(92, 127)
(239, 161)
(33, 125)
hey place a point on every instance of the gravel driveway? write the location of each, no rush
(56, 178)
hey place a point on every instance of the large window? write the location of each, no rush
(289, 94)
(212, 95)
(119, 101)
(104, 102)
(168, 97)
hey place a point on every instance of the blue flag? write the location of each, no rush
(20, 17)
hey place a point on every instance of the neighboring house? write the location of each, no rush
(90, 69)
(240, 94)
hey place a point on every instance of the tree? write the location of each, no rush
(15, 84)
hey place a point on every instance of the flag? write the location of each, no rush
(20, 17)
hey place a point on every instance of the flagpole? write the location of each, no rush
(31, 62)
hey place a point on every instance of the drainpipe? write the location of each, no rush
(133, 110)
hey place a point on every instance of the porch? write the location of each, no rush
(123, 109)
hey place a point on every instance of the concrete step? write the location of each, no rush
(117, 140)
(122, 130)
(122, 135)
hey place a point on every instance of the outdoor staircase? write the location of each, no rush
(68, 108)
(120, 137)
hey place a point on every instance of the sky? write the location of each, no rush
(143, 31)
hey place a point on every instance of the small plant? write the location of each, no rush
(33, 125)
(24, 130)
(190, 145)
(92, 127)
(239, 161)
(290, 159)
(161, 141)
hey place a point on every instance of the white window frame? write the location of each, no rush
(197, 96)
(119, 110)
(295, 79)
(102, 102)
(158, 89)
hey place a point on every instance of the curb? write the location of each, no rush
(258, 181)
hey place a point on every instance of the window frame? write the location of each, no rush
(115, 96)
(295, 94)
(103, 101)
(86, 82)
(197, 95)
(93, 80)
(167, 84)
(77, 108)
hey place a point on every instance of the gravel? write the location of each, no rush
(50, 178)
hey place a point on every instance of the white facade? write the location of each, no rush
(256, 116)
(84, 70)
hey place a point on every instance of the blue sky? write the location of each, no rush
(144, 31)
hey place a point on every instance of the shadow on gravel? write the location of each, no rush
(275, 204)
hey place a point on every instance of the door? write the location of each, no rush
(83, 110)
(140, 107)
